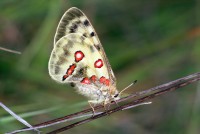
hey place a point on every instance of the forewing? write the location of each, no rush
(75, 21)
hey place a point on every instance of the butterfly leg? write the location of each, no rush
(116, 103)
(106, 107)
(90, 103)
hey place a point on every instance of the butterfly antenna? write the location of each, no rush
(127, 87)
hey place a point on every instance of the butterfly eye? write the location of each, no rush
(116, 95)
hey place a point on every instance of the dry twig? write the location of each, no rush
(9, 50)
(142, 97)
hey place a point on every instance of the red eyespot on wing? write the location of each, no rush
(98, 63)
(64, 77)
(85, 80)
(102, 79)
(105, 81)
(79, 56)
(93, 78)
(71, 69)
(69, 72)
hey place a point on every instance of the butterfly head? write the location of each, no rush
(113, 95)
(116, 96)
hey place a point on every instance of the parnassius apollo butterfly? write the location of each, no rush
(78, 58)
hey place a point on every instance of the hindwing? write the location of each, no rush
(75, 21)
(74, 58)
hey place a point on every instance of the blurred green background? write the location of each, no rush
(152, 41)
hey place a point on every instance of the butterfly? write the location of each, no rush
(78, 58)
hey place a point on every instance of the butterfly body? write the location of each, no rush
(78, 58)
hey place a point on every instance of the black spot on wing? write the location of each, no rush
(73, 28)
(66, 53)
(85, 35)
(92, 34)
(82, 71)
(86, 23)
(71, 31)
(97, 47)
(72, 84)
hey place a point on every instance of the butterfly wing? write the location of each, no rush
(75, 58)
(75, 21)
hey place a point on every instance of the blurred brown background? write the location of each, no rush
(152, 41)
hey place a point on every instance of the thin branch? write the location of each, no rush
(157, 91)
(67, 120)
(142, 97)
(9, 50)
(17, 117)
(48, 125)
